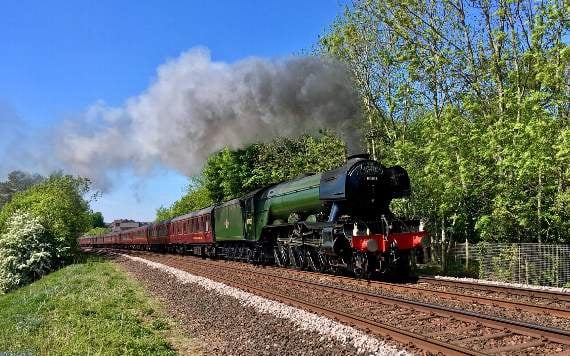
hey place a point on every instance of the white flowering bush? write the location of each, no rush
(25, 251)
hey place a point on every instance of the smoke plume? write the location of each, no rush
(22, 147)
(197, 106)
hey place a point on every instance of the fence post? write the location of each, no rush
(557, 266)
(519, 262)
(466, 253)
(526, 270)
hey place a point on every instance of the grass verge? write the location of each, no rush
(85, 308)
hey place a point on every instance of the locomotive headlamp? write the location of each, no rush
(372, 245)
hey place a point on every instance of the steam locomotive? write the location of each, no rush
(338, 221)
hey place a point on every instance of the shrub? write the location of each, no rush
(39, 228)
(59, 205)
(25, 251)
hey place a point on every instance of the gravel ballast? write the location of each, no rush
(232, 321)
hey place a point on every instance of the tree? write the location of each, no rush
(96, 219)
(232, 173)
(196, 198)
(472, 98)
(17, 181)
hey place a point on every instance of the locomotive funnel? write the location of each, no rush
(358, 155)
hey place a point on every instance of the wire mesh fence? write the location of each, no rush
(527, 263)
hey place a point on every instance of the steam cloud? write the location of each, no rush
(22, 147)
(197, 106)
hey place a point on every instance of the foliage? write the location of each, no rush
(86, 308)
(17, 181)
(196, 198)
(25, 251)
(58, 205)
(233, 173)
(96, 219)
(458, 269)
(503, 266)
(96, 231)
(472, 99)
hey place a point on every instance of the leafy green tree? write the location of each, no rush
(233, 173)
(197, 197)
(97, 219)
(17, 181)
(472, 98)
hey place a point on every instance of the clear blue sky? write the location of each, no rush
(59, 57)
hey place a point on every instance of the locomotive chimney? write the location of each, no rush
(358, 155)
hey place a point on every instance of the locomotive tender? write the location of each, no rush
(337, 221)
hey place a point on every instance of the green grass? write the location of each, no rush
(86, 308)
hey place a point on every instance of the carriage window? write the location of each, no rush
(184, 228)
(207, 225)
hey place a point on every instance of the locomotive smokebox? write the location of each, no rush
(364, 185)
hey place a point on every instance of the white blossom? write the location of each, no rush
(25, 253)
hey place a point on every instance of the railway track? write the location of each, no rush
(430, 327)
(538, 301)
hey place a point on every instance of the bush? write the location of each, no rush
(59, 205)
(458, 269)
(39, 228)
(25, 251)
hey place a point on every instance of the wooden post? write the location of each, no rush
(466, 253)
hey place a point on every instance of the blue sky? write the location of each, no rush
(57, 58)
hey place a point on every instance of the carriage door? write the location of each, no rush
(248, 218)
